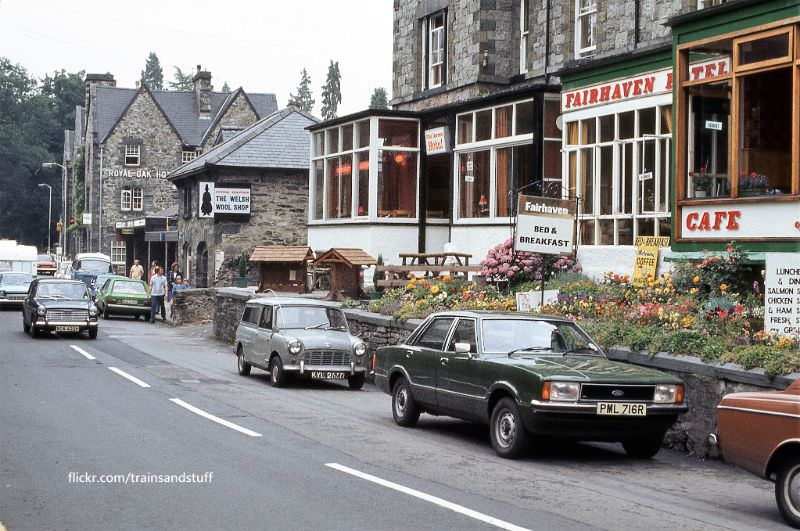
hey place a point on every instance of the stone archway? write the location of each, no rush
(201, 266)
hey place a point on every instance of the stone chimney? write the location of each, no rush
(96, 80)
(202, 90)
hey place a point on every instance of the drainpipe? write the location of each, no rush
(636, 28)
(547, 43)
(100, 207)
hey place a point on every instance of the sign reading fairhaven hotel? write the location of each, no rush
(545, 225)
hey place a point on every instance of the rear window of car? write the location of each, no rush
(15, 278)
(251, 315)
(129, 288)
(435, 334)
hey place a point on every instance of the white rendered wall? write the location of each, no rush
(597, 260)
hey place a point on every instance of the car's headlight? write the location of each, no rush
(41, 310)
(93, 310)
(561, 391)
(668, 394)
(2, 294)
(360, 349)
(295, 346)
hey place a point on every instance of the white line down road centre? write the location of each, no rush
(85, 354)
(129, 377)
(209, 416)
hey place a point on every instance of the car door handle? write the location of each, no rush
(444, 361)
(409, 353)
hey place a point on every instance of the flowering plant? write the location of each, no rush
(502, 263)
(754, 181)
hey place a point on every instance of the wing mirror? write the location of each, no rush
(464, 348)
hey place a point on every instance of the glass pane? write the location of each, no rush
(607, 128)
(587, 232)
(572, 133)
(505, 180)
(502, 121)
(551, 168)
(606, 232)
(606, 179)
(666, 120)
(663, 175)
(709, 123)
(439, 176)
(587, 131)
(765, 132)
(465, 128)
(319, 193)
(362, 200)
(340, 182)
(552, 108)
(626, 178)
(587, 181)
(347, 137)
(626, 123)
(646, 176)
(483, 125)
(397, 184)
(587, 23)
(474, 184)
(764, 49)
(625, 232)
(363, 133)
(647, 227)
(572, 166)
(402, 133)
(333, 140)
(664, 227)
(647, 121)
(524, 118)
(523, 167)
(319, 141)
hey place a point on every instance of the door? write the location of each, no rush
(261, 343)
(247, 331)
(423, 358)
(201, 269)
(460, 386)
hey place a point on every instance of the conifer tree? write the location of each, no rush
(331, 92)
(303, 100)
(379, 99)
(152, 74)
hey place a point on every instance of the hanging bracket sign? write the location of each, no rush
(545, 225)
(437, 140)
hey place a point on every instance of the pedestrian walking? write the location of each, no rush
(153, 270)
(158, 292)
(137, 271)
(174, 272)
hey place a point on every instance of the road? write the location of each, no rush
(149, 403)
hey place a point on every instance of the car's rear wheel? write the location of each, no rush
(509, 436)
(643, 447)
(787, 490)
(147, 316)
(105, 312)
(93, 333)
(356, 381)
(404, 408)
(241, 365)
(276, 372)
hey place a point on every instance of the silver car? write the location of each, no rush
(13, 287)
(302, 337)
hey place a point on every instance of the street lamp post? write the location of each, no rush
(63, 234)
(49, 213)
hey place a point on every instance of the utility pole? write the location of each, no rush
(49, 213)
(63, 234)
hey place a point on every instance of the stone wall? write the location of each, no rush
(192, 305)
(227, 310)
(240, 113)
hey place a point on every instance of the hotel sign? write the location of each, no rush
(545, 225)
(218, 200)
(437, 140)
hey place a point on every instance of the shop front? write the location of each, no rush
(147, 239)
(737, 141)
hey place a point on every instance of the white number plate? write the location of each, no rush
(328, 375)
(129, 302)
(68, 329)
(621, 409)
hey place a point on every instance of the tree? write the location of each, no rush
(182, 81)
(331, 92)
(225, 88)
(303, 100)
(152, 74)
(379, 99)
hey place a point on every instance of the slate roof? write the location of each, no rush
(180, 108)
(279, 141)
(282, 254)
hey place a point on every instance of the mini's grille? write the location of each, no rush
(327, 357)
(622, 393)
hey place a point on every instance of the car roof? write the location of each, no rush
(291, 301)
(484, 314)
(101, 256)
(57, 281)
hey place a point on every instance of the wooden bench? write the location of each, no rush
(429, 265)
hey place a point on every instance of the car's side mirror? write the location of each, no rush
(462, 348)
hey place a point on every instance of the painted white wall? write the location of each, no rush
(597, 260)
(478, 240)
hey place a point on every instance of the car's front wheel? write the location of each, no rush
(356, 381)
(787, 490)
(404, 409)
(93, 333)
(25, 327)
(643, 447)
(276, 372)
(241, 365)
(105, 312)
(33, 331)
(509, 436)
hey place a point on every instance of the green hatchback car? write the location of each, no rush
(124, 296)
(527, 376)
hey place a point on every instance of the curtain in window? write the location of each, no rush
(504, 169)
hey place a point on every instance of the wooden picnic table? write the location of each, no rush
(429, 264)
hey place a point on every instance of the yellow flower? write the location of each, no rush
(411, 277)
(446, 278)
(420, 302)
(696, 279)
(693, 291)
(435, 289)
(410, 286)
(723, 287)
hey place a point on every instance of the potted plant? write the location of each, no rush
(241, 280)
(701, 182)
(753, 184)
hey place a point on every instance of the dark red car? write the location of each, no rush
(46, 265)
(760, 432)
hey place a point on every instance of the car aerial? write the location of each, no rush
(86, 266)
(46, 265)
(301, 337)
(57, 305)
(123, 296)
(13, 287)
(760, 432)
(97, 282)
(526, 376)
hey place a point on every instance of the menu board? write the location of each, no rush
(782, 293)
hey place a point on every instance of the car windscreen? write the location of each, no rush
(15, 278)
(56, 290)
(94, 266)
(129, 288)
(506, 335)
(44, 258)
(309, 317)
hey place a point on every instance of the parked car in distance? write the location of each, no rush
(526, 376)
(760, 432)
(64, 270)
(123, 296)
(301, 337)
(57, 305)
(13, 287)
(98, 282)
(86, 266)
(46, 265)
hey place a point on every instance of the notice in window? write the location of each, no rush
(782, 294)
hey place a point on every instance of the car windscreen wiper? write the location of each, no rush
(527, 348)
(592, 351)
(316, 326)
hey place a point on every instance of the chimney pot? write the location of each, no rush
(199, 68)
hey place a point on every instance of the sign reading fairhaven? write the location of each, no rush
(216, 200)
(782, 293)
(545, 225)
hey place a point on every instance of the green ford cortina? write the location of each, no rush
(526, 376)
(124, 296)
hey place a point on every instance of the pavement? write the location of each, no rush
(150, 426)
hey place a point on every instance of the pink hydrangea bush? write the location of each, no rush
(502, 263)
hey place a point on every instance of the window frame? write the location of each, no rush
(126, 199)
(117, 247)
(188, 155)
(137, 194)
(579, 15)
(132, 152)
(427, 52)
(524, 31)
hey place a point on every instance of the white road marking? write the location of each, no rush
(214, 418)
(86, 355)
(428, 498)
(127, 376)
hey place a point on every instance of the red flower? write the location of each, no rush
(730, 249)
(723, 314)
(738, 308)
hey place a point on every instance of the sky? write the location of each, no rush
(259, 45)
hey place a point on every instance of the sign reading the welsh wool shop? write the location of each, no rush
(782, 293)
(545, 225)
(217, 200)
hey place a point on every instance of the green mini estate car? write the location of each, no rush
(526, 376)
(124, 296)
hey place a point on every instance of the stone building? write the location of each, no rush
(133, 139)
(249, 190)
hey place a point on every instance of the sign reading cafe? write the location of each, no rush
(217, 200)
(545, 225)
